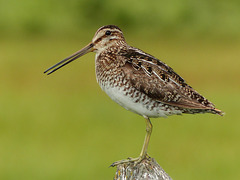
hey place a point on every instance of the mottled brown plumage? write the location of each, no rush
(159, 81)
(138, 81)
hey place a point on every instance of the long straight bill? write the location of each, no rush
(69, 59)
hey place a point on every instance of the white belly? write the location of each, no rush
(138, 103)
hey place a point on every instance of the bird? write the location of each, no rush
(139, 82)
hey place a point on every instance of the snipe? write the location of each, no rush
(138, 81)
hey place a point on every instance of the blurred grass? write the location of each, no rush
(176, 18)
(64, 127)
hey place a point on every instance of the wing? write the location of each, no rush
(157, 80)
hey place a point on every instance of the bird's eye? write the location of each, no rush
(108, 33)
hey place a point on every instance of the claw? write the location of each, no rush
(130, 160)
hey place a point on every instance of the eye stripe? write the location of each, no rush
(115, 32)
(97, 40)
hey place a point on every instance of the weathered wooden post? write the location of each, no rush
(147, 169)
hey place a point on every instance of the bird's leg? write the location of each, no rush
(143, 153)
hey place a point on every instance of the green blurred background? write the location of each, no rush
(64, 127)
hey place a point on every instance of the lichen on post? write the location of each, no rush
(147, 169)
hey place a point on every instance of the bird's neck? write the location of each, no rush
(111, 47)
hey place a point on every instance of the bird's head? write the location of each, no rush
(107, 36)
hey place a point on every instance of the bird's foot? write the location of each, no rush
(130, 160)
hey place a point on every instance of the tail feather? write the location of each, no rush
(218, 111)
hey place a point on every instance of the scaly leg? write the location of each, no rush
(143, 153)
(147, 137)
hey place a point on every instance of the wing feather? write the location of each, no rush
(160, 82)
